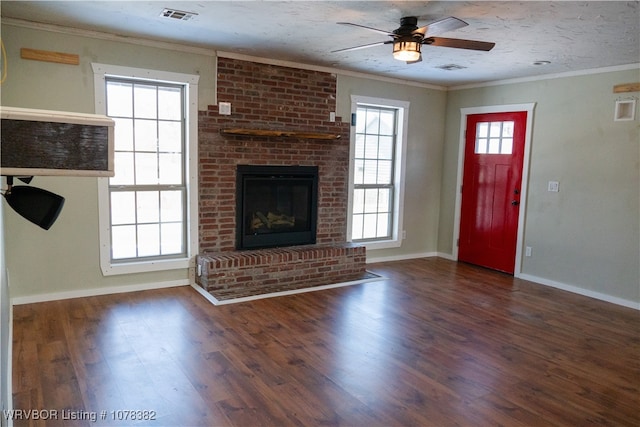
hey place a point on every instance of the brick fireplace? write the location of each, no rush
(272, 98)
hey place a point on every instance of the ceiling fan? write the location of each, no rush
(408, 38)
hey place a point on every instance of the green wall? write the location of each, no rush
(587, 235)
(424, 159)
(66, 257)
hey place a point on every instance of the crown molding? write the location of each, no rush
(282, 63)
(635, 66)
(108, 36)
(213, 52)
(205, 51)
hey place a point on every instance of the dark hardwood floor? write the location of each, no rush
(436, 344)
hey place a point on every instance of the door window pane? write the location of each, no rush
(494, 138)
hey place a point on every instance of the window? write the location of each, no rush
(148, 217)
(494, 138)
(148, 191)
(377, 158)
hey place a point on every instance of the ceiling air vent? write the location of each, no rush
(451, 67)
(180, 15)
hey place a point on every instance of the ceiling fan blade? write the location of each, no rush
(441, 26)
(386, 33)
(459, 43)
(364, 46)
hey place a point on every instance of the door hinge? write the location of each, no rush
(461, 189)
(458, 242)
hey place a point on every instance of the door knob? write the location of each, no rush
(515, 202)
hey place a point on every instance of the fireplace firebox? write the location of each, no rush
(276, 206)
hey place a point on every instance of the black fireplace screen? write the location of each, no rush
(276, 206)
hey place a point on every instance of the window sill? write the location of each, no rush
(381, 244)
(109, 269)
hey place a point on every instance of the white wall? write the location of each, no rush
(586, 237)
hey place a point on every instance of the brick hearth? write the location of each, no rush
(269, 97)
(245, 273)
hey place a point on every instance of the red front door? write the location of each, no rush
(492, 176)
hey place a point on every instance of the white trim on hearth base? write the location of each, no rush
(213, 300)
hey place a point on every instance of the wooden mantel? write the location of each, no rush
(280, 133)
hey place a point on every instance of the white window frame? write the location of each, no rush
(190, 82)
(399, 169)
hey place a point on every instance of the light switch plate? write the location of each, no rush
(224, 108)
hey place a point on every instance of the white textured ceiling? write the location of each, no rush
(573, 36)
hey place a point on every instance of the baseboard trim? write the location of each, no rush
(54, 296)
(581, 291)
(374, 259)
(539, 280)
(450, 257)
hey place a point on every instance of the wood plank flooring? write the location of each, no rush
(436, 344)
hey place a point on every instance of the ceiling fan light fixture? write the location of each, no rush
(406, 50)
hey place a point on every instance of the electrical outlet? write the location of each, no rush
(332, 116)
(554, 186)
(404, 234)
(527, 251)
(224, 108)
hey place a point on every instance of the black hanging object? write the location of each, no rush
(39, 206)
(26, 179)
